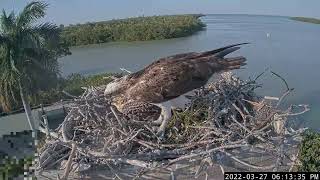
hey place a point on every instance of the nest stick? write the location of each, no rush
(69, 162)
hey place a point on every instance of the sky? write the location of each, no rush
(80, 11)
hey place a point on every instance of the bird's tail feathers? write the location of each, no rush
(221, 52)
(225, 52)
(233, 63)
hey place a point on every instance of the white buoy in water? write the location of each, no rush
(268, 35)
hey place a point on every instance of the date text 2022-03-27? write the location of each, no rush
(272, 176)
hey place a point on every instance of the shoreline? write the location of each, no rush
(306, 19)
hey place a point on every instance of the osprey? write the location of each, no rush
(154, 91)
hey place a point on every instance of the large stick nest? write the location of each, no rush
(224, 118)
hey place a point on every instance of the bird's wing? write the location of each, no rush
(175, 75)
(188, 55)
(221, 52)
(141, 111)
(156, 84)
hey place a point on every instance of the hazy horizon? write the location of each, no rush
(81, 11)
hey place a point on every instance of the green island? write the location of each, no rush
(132, 29)
(306, 19)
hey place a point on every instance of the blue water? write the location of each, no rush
(287, 47)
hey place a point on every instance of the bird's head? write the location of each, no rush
(115, 86)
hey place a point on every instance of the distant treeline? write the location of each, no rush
(132, 29)
(306, 19)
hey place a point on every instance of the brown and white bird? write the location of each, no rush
(154, 91)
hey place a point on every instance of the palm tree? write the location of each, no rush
(26, 53)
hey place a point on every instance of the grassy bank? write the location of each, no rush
(306, 19)
(71, 84)
(133, 29)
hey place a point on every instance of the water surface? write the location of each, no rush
(288, 47)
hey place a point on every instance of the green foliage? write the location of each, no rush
(310, 152)
(132, 29)
(28, 54)
(306, 19)
(72, 84)
(11, 168)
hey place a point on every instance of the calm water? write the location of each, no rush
(291, 49)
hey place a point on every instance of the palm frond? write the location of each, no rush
(28, 52)
(41, 67)
(8, 79)
(37, 36)
(7, 23)
(31, 12)
(30, 39)
(43, 59)
(47, 30)
(3, 40)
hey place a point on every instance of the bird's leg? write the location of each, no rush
(165, 121)
(163, 118)
(182, 102)
(159, 120)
